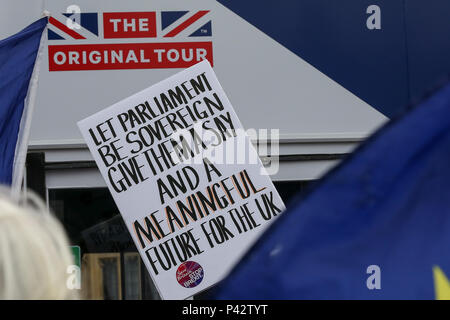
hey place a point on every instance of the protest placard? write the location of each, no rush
(185, 177)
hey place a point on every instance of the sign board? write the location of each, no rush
(185, 177)
(74, 271)
(145, 51)
(76, 254)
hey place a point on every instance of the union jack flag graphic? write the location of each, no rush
(86, 28)
(82, 26)
(174, 23)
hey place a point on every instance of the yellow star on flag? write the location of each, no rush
(441, 284)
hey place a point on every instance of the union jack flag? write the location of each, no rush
(81, 26)
(192, 24)
(86, 28)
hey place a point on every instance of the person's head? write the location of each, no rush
(34, 251)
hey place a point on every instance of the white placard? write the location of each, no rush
(185, 177)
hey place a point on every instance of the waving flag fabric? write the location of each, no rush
(376, 227)
(18, 54)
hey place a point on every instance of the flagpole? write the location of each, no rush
(25, 124)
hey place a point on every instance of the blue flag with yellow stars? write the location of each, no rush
(376, 227)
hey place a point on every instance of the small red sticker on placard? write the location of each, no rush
(190, 274)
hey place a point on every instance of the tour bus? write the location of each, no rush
(309, 80)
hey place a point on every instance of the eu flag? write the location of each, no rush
(17, 59)
(376, 227)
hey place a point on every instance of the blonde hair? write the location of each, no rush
(34, 251)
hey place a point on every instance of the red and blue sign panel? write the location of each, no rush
(130, 55)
